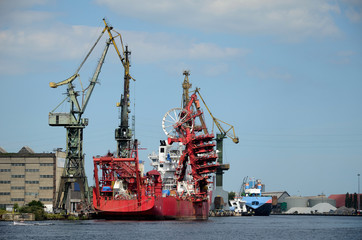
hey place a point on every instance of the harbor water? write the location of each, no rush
(226, 228)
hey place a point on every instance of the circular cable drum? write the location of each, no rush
(175, 118)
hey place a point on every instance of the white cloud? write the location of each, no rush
(353, 10)
(9, 5)
(63, 43)
(70, 42)
(150, 47)
(288, 19)
(354, 15)
(31, 37)
(342, 57)
(356, 3)
(73, 42)
(274, 74)
(346, 53)
(216, 69)
(15, 13)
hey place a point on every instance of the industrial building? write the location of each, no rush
(27, 176)
(279, 195)
(277, 199)
(284, 203)
(311, 204)
(341, 199)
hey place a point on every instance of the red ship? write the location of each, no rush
(122, 192)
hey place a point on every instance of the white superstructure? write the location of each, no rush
(239, 205)
(166, 162)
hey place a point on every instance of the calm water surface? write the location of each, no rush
(272, 227)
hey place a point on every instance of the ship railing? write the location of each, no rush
(169, 181)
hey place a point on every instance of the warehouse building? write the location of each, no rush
(311, 204)
(277, 200)
(27, 176)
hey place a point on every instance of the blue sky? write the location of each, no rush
(287, 74)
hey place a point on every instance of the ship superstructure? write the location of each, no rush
(165, 161)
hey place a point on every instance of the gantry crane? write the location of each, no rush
(74, 123)
(229, 132)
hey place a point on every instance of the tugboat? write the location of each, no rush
(250, 201)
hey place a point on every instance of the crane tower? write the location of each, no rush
(220, 196)
(74, 124)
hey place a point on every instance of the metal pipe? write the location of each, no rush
(358, 198)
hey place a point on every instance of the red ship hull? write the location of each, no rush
(122, 192)
(153, 208)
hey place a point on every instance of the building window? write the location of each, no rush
(31, 182)
(46, 164)
(4, 170)
(46, 199)
(45, 188)
(18, 164)
(17, 188)
(31, 194)
(17, 176)
(46, 176)
(17, 199)
(4, 193)
(5, 182)
(31, 170)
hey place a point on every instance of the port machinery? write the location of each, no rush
(187, 126)
(220, 196)
(123, 192)
(74, 123)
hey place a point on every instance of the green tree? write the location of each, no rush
(346, 200)
(231, 196)
(35, 207)
(16, 207)
(350, 200)
(355, 201)
(36, 204)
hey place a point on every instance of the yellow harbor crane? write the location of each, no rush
(229, 132)
(74, 123)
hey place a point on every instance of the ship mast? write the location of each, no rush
(123, 133)
(186, 85)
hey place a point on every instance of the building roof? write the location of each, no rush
(319, 208)
(2, 150)
(26, 150)
(277, 194)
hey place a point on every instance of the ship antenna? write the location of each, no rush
(134, 112)
(186, 85)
